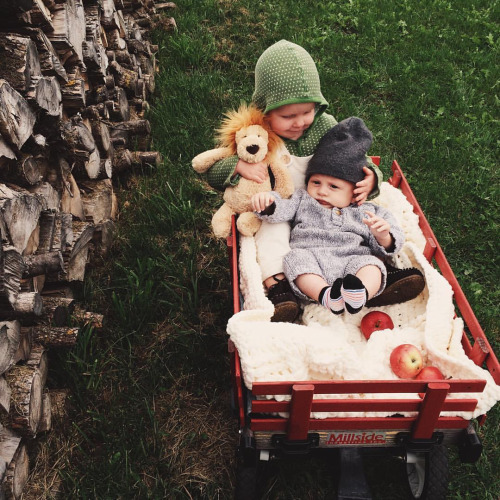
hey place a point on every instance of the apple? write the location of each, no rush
(406, 361)
(429, 373)
(375, 320)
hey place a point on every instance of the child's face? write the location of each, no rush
(291, 120)
(330, 192)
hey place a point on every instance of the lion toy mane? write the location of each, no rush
(247, 134)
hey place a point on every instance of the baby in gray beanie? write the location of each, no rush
(337, 247)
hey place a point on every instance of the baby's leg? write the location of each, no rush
(316, 288)
(272, 242)
(371, 277)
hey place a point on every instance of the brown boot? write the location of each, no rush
(402, 285)
(286, 304)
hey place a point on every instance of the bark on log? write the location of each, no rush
(41, 16)
(28, 307)
(97, 198)
(58, 310)
(87, 318)
(13, 453)
(73, 92)
(19, 61)
(146, 158)
(57, 337)
(6, 153)
(26, 399)
(27, 171)
(16, 116)
(88, 168)
(47, 229)
(45, 423)
(78, 256)
(50, 195)
(44, 263)
(136, 127)
(125, 78)
(39, 360)
(10, 338)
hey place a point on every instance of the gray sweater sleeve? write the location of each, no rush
(284, 210)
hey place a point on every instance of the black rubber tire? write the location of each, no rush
(246, 482)
(428, 477)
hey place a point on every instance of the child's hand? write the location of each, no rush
(380, 229)
(364, 187)
(260, 201)
(256, 172)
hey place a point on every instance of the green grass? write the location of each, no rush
(150, 414)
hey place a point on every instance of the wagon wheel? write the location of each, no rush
(428, 474)
(246, 482)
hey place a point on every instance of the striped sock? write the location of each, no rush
(331, 298)
(354, 294)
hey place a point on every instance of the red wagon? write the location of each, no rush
(420, 440)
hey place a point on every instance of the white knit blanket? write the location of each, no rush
(329, 347)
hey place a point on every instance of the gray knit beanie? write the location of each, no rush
(341, 152)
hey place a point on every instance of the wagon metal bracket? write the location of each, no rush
(406, 442)
(295, 447)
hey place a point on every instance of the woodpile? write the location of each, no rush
(75, 79)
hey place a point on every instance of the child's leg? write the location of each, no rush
(356, 290)
(316, 288)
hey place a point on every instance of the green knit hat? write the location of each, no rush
(286, 74)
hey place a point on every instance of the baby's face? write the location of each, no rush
(330, 192)
(290, 121)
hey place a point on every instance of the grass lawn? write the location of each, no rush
(150, 414)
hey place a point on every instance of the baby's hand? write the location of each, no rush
(256, 172)
(380, 229)
(260, 201)
(364, 187)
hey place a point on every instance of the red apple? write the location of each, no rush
(406, 361)
(375, 320)
(429, 373)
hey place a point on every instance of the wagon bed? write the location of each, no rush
(419, 439)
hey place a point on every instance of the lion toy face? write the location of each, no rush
(251, 143)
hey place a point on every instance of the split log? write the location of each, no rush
(88, 168)
(13, 453)
(78, 257)
(105, 233)
(118, 108)
(115, 41)
(92, 22)
(25, 344)
(73, 92)
(20, 211)
(27, 308)
(47, 229)
(26, 399)
(135, 127)
(58, 310)
(49, 58)
(16, 116)
(10, 338)
(27, 171)
(19, 61)
(77, 137)
(45, 423)
(6, 153)
(44, 93)
(41, 16)
(69, 30)
(59, 403)
(49, 194)
(165, 5)
(39, 361)
(57, 337)
(5, 394)
(97, 198)
(44, 263)
(100, 132)
(125, 78)
(11, 270)
(122, 161)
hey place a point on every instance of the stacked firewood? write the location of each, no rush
(75, 79)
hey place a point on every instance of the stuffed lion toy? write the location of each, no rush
(245, 133)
